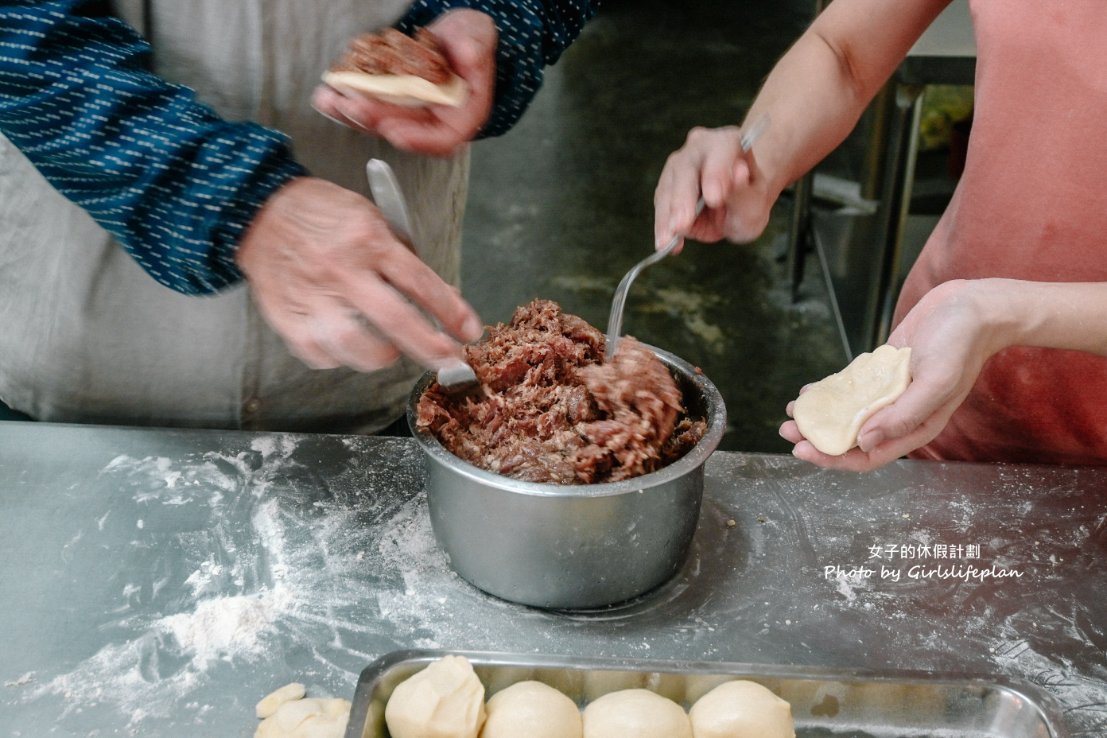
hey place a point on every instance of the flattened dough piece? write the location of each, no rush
(831, 412)
(637, 713)
(444, 700)
(741, 709)
(400, 89)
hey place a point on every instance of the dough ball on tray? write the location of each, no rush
(741, 709)
(444, 700)
(635, 713)
(534, 710)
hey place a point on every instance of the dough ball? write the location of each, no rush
(635, 713)
(270, 702)
(831, 412)
(534, 710)
(310, 718)
(444, 700)
(741, 709)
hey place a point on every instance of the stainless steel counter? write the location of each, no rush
(159, 583)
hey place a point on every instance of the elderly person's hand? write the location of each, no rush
(468, 39)
(952, 331)
(712, 163)
(332, 280)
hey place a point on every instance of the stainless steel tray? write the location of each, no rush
(825, 703)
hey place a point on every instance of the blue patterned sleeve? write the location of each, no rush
(533, 33)
(175, 183)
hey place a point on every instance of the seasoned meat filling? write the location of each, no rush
(550, 410)
(393, 52)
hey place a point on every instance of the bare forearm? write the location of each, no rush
(1061, 315)
(818, 90)
(811, 113)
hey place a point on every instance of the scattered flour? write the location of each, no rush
(225, 627)
(343, 579)
(219, 593)
(21, 681)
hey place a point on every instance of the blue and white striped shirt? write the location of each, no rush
(176, 184)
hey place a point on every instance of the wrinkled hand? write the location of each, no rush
(950, 341)
(335, 283)
(469, 40)
(711, 163)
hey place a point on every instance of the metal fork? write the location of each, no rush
(455, 375)
(615, 320)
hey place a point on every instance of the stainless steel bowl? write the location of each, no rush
(571, 546)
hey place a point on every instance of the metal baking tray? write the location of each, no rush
(825, 704)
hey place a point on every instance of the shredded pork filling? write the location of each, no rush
(392, 52)
(549, 409)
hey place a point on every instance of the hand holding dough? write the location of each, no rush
(635, 713)
(741, 709)
(831, 412)
(399, 69)
(444, 700)
(531, 709)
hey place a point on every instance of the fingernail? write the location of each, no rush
(668, 232)
(472, 329)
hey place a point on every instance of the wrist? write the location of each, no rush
(1006, 309)
(261, 226)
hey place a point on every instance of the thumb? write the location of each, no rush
(902, 417)
(469, 38)
(889, 423)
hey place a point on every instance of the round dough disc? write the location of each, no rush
(831, 412)
(741, 709)
(444, 700)
(635, 712)
(534, 710)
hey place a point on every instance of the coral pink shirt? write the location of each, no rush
(1031, 205)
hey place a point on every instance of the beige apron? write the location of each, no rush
(87, 336)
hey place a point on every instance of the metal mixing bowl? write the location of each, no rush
(571, 546)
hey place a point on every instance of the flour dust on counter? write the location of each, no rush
(226, 556)
(958, 555)
(304, 558)
(259, 567)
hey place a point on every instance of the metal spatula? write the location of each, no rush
(615, 321)
(455, 376)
